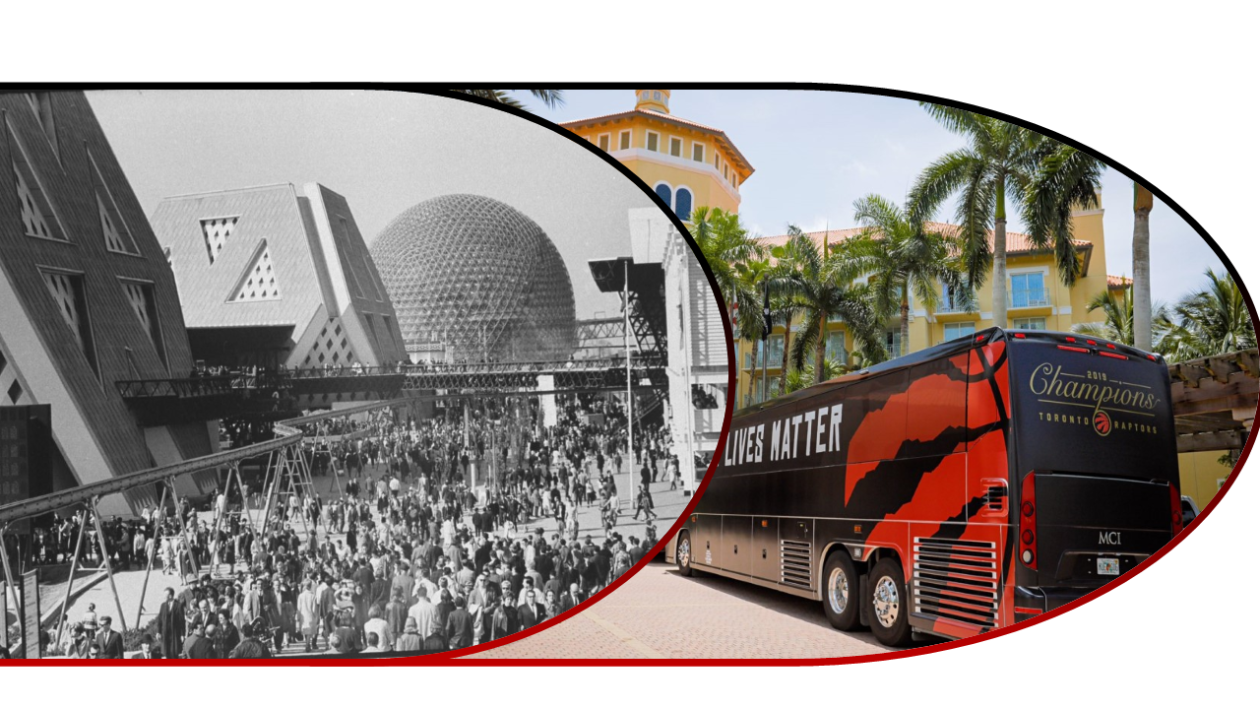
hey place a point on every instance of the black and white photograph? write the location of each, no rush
(341, 373)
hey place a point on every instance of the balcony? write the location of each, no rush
(1032, 301)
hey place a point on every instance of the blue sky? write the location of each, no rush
(815, 152)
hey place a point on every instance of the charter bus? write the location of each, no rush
(949, 492)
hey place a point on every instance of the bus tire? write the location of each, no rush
(682, 554)
(841, 602)
(890, 607)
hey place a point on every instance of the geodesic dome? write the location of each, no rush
(473, 276)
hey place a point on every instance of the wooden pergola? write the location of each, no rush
(1214, 400)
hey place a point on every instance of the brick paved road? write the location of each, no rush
(661, 614)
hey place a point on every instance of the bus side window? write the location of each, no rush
(938, 408)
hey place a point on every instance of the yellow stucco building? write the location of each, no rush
(688, 164)
(1037, 300)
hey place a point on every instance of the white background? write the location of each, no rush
(1168, 92)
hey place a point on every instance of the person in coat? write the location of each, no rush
(170, 625)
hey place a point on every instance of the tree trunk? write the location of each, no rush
(905, 325)
(820, 351)
(1143, 201)
(999, 256)
(787, 345)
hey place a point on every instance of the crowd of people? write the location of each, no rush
(434, 538)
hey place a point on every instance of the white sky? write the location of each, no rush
(384, 151)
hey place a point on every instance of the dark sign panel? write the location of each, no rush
(1092, 413)
(25, 443)
(30, 614)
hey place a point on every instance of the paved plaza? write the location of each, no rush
(659, 614)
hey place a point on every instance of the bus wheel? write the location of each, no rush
(840, 594)
(683, 554)
(890, 619)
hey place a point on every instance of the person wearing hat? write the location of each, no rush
(147, 650)
(410, 640)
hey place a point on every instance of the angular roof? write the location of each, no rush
(1118, 282)
(721, 136)
(273, 214)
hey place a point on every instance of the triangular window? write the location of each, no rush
(41, 104)
(259, 280)
(113, 228)
(67, 293)
(39, 217)
(216, 233)
(140, 296)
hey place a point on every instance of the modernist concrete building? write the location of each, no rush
(86, 299)
(696, 356)
(273, 277)
(688, 164)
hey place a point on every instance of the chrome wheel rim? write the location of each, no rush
(838, 590)
(684, 552)
(887, 602)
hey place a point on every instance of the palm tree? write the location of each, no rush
(1143, 202)
(903, 256)
(750, 323)
(1208, 322)
(782, 305)
(821, 287)
(999, 163)
(551, 98)
(1066, 179)
(801, 378)
(724, 243)
(1118, 325)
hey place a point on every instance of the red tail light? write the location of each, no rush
(1073, 349)
(1176, 508)
(1028, 522)
(1113, 355)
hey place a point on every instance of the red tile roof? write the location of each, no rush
(1016, 242)
(1116, 282)
(667, 118)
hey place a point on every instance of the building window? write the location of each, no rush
(775, 350)
(67, 292)
(653, 141)
(140, 296)
(835, 347)
(39, 217)
(643, 96)
(41, 103)
(892, 341)
(666, 194)
(954, 300)
(604, 142)
(1029, 290)
(726, 172)
(682, 204)
(675, 147)
(955, 330)
(656, 95)
(216, 232)
(258, 282)
(625, 140)
(1030, 323)
(697, 152)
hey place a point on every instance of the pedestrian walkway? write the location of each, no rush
(661, 614)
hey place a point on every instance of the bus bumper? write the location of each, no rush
(1031, 602)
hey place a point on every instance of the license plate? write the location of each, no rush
(1108, 567)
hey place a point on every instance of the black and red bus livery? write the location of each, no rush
(949, 492)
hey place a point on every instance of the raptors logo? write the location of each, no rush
(1102, 423)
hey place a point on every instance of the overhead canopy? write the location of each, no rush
(1214, 400)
